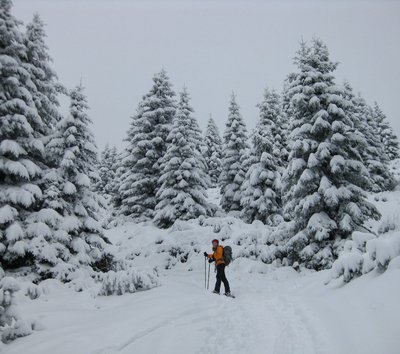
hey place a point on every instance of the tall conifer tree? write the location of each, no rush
(325, 179)
(21, 144)
(387, 136)
(78, 238)
(213, 151)
(261, 186)
(234, 147)
(183, 181)
(146, 147)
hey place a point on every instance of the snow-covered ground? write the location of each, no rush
(276, 310)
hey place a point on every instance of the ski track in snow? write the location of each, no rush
(262, 319)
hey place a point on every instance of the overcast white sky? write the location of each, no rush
(213, 47)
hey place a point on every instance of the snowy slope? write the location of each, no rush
(277, 310)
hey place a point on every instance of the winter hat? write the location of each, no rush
(215, 241)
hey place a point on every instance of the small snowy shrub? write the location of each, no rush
(11, 326)
(350, 262)
(127, 281)
(389, 223)
(383, 249)
(364, 253)
(179, 253)
(33, 291)
(18, 329)
(84, 279)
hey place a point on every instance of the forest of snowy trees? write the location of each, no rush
(315, 152)
(317, 149)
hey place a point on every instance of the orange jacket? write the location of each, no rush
(218, 255)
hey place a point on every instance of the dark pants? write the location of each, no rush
(221, 278)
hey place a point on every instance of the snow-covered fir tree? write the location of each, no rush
(107, 172)
(368, 143)
(213, 151)
(118, 167)
(234, 146)
(42, 74)
(21, 145)
(44, 78)
(260, 189)
(183, 181)
(325, 179)
(197, 137)
(270, 128)
(287, 111)
(78, 238)
(388, 138)
(146, 147)
(48, 245)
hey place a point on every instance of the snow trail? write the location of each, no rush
(262, 318)
(178, 317)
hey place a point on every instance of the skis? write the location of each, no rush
(227, 295)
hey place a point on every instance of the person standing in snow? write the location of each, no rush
(218, 257)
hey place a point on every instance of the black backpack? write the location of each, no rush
(227, 255)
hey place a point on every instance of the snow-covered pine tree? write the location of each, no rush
(234, 146)
(47, 240)
(21, 145)
(114, 155)
(104, 153)
(268, 130)
(119, 169)
(213, 151)
(107, 172)
(325, 179)
(146, 146)
(287, 108)
(387, 136)
(367, 142)
(38, 64)
(247, 159)
(260, 190)
(284, 128)
(79, 237)
(197, 138)
(42, 75)
(183, 181)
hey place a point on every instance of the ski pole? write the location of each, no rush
(205, 272)
(208, 283)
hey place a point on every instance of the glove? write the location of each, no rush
(211, 260)
(205, 254)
